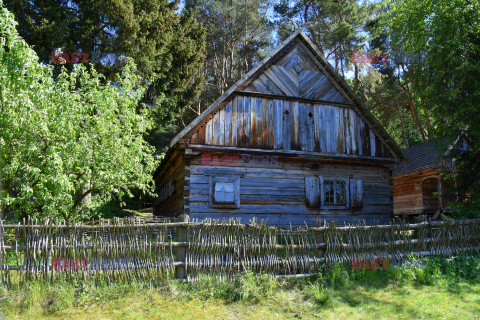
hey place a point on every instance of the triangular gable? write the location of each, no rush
(297, 70)
(296, 74)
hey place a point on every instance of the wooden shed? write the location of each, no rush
(418, 183)
(290, 142)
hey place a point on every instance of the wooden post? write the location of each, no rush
(180, 271)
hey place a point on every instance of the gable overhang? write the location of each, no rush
(337, 80)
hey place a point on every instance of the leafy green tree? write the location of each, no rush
(67, 137)
(447, 34)
(167, 45)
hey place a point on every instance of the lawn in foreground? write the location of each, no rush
(448, 301)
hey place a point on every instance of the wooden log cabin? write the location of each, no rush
(419, 185)
(289, 143)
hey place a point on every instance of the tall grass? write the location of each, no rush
(40, 297)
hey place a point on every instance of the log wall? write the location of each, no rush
(172, 171)
(273, 188)
(408, 198)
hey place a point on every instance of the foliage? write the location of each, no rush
(336, 27)
(167, 45)
(238, 36)
(447, 34)
(66, 137)
(386, 293)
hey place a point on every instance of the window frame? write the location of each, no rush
(236, 188)
(346, 181)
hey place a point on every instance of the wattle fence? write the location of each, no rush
(122, 250)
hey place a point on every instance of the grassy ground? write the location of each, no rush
(432, 289)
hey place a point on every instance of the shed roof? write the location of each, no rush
(422, 156)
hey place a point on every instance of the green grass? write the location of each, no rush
(434, 288)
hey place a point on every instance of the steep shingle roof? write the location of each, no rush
(422, 156)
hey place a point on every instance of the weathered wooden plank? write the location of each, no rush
(310, 127)
(201, 135)
(302, 122)
(341, 130)
(312, 191)
(216, 129)
(259, 123)
(234, 122)
(373, 150)
(228, 124)
(240, 122)
(247, 104)
(221, 131)
(286, 113)
(278, 124)
(295, 126)
(208, 132)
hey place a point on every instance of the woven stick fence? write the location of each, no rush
(122, 250)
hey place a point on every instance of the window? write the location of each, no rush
(225, 191)
(335, 192)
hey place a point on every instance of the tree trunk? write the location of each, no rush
(427, 118)
(404, 133)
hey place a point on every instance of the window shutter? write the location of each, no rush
(312, 191)
(356, 193)
(322, 192)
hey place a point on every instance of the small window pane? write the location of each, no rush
(229, 197)
(219, 186)
(229, 187)
(219, 196)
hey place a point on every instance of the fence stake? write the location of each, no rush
(181, 253)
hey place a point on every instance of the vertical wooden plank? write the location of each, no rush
(277, 124)
(286, 112)
(302, 121)
(317, 127)
(259, 123)
(253, 123)
(295, 125)
(327, 121)
(310, 116)
(228, 124)
(322, 191)
(201, 135)
(221, 126)
(366, 138)
(323, 125)
(346, 132)
(264, 129)
(208, 132)
(234, 122)
(340, 130)
(333, 129)
(372, 143)
(240, 123)
(270, 125)
(312, 191)
(352, 130)
(247, 105)
(216, 129)
(359, 134)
